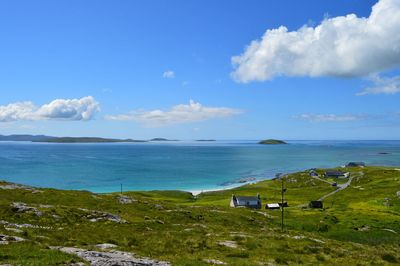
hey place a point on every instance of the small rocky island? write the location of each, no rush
(271, 142)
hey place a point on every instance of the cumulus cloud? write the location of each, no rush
(178, 114)
(344, 46)
(329, 117)
(61, 109)
(169, 74)
(383, 86)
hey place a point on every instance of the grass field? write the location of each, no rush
(358, 226)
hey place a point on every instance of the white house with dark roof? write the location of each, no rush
(246, 201)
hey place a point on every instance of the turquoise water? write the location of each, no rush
(177, 165)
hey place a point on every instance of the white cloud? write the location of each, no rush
(169, 74)
(344, 46)
(383, 86)
(60, 109)
(329, 117)
(178, 114)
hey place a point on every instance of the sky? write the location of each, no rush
(201, 69)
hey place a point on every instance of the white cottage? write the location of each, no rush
(246, 201)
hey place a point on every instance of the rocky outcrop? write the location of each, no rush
(5, 239)
(228, 243)
(24, 225)
(17, 186)
(23, 207)
(125, 199)
(110, 258)
(96, 216)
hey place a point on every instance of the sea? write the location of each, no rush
(178, 165)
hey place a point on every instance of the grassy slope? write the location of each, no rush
(174, 226)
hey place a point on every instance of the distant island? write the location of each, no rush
(271, 142)
(24, 137)
(50, 139)
(205, 140)
(85, 140)
(163, 139)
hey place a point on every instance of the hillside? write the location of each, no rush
(358, 225)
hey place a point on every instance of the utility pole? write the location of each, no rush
(283, 190)
(282, 207)
(121, 188)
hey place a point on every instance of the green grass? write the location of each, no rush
(358, 225)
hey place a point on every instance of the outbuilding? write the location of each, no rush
(316, 204)
(272, 206)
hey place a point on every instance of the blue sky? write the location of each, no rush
(143, 69)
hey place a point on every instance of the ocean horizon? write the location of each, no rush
(178, 165)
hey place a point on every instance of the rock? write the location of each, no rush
(95, 216)
(364, 228)
(317, 240)
(228, 243)
(5, 239)
(215, 262)
(110, 258)
(15, 230)
(114, 218)
(16, 239)
(45, 206)
(158, 207)
(23, 207)
(106, 246)
(25, 225)
(125, 199)
(398, 194)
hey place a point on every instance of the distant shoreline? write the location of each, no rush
(194, 192)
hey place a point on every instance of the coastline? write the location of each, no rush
(197, 192)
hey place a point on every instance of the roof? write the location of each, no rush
(315, 204)
(246, 198)
(334, 172)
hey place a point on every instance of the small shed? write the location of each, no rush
(355, 164)
(272, 206)
(284, 204)
(316, 204)
(246, 201)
